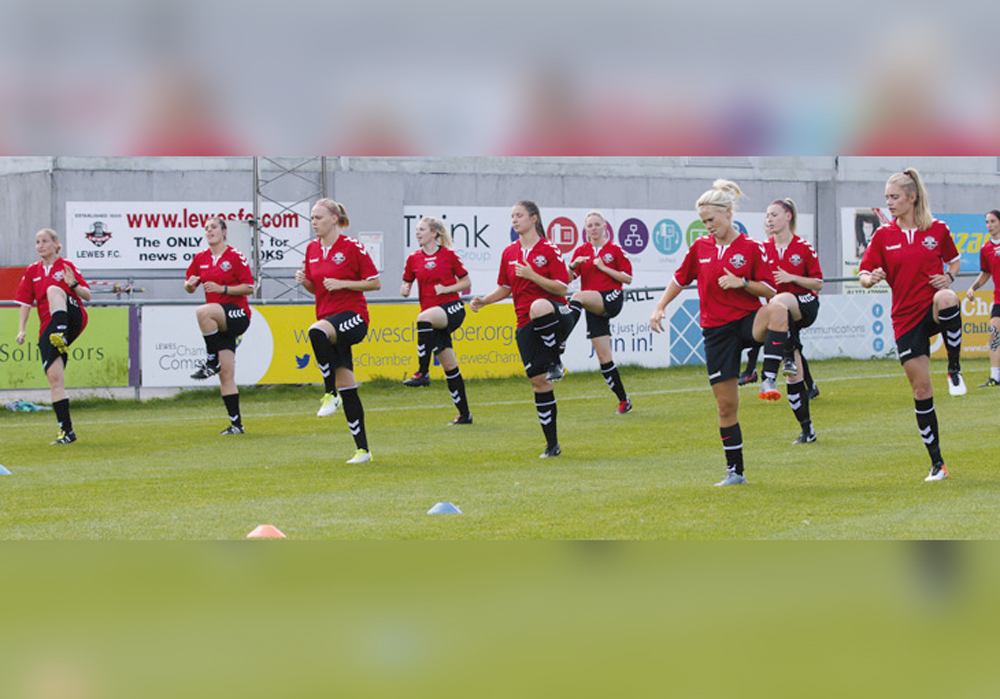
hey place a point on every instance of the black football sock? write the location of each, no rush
(545, 405)
(456, 387)
(732, 443)
(324, 353)
(355, 414)
(614, 380)
(232, 402)
(425, 332)
(61, 407)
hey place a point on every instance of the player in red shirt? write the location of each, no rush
(733, 275)
(910, 253)
(799, 278)
(532, 271)
(602, 267)
(989, 265)
(225, 317)
(440, 275)
(56, 287)
(338, 270)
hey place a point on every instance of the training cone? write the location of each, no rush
(444, 508)
(3, 471)
(266, 531)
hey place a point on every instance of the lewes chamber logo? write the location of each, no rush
(97, 235)
(930, 243)
(737, 261)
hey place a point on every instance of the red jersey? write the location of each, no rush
(545, 259)
(707, 261)
(593, 279)
(34, 287)
(799, 258)
(346, 259)
(443, 267)
(230, 269)
(989, 262)
(910, 259)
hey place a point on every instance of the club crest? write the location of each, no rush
(225, 266)
(796, 260)
(930, 242)
(430, 264)
(539, 261)
(339, 258)
(737, 261)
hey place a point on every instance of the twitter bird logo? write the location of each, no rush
(302, 361)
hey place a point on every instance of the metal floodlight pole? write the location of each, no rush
(258, 282)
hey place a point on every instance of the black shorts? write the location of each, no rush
(50, 354)
(351, 329)
(809, 307)
(996, 311)
(600, 325)
(534, 355)
(724, 346)
(455, 311)
(237, 323)
(917, 342)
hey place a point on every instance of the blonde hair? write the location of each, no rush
(599, 215)
(337, 210)
(54, 236)
(788, 205)
(437, 225)
(909, 180)
(723, 195)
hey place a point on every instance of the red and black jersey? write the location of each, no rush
(707, 261)
(443, 267)
(229, 269)
(347, 260)
(593, 279)
(799, 258)
(34, 287)
(545, 259)
(989, 262)
(910, 259)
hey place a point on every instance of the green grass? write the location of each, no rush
(159, 470)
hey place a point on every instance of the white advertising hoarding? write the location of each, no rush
(166, 235)
(655, 240)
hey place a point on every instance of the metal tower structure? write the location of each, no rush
(285, 183)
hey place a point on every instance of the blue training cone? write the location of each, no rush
(3, 471)
(444, 508)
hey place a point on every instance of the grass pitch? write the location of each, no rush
(160, 470)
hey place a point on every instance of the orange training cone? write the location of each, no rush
(266, 531)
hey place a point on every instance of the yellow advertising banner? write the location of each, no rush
(99, 357)
(485, 344)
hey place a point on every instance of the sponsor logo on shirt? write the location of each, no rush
(893, 247)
